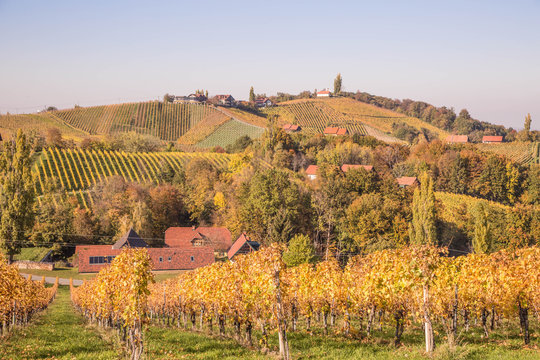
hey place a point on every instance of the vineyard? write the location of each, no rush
(521, 152)
(75, 170)
(229, 132)
(315, 116)
(164, 120)
(40, 123)
(20, 298)
(413, 286)
(378, 118)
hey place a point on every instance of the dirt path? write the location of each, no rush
(52, 280)
(57, 333)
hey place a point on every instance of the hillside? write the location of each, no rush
(164, 120)
(524, 153)
(229, 132)
(39, 123)
(76, 169)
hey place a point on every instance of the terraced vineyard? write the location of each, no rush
(40, 123)
(522, 152)
(315, 116)
(165, 121)
(77, 170)
(229, 132)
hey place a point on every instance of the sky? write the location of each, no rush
(480, 55)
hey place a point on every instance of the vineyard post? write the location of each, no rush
(282, 326)
(430, 341)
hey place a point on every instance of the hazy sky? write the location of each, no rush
(479, 55)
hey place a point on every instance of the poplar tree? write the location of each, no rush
(337, 84)
(528, 123)
(17, 197)
(422, 228)
(482, 239)
(251, 95)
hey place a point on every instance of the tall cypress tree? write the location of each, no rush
(482, 239)
(17, 197)
(251, 95)
(422, 229)
(337, 84)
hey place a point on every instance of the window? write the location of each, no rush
(98, 260)
(192, 258)
(170, 258)
(161, 259)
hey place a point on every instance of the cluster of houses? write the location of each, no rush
(463, 139)
(186, 248)
(222, 100)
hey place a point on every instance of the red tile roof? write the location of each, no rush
(347, 167)
(242, 245)
(331, 130)
(294, 127)
(312, 170)
(488, 138)
(322, 92)
(457, 139)
(342, 131)
(406, 180)
(183, 237)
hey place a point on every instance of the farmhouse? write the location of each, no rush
(405, 181)
(335, 131)
(190, 99)
(92, 258)
(457, 139)
(324, 93)
(217, 238)
(224, 100)
(492, 139)
(311, 172)
(243, 245)
(263, 102)
(291, 128)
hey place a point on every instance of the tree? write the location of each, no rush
(168, 98)
(527, 125)
(251, 95)
(17, 197)
(422, 229)
(337, 84)
(482, 239)
(300, 251)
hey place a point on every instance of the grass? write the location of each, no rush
(67, 273)
(57, 333)
(229, 132)
(246, 116)
(32, 253)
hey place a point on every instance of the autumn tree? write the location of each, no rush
(482, 240)
(17, 197)
(422, 229)
(337, 84)
(251, 95)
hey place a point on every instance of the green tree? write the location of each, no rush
(527, 125)
(168, 98)
(299, 251)
(482, 238)
(17, 197)
(251, 95)
(422, 229)
(337, 84)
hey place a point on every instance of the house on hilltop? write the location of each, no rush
(324, 93)
(263, 102)
(243, 245)
(311, 172)
(457, 139)
(92, 258)
(224, 100)
(190, 99)
(492, 139)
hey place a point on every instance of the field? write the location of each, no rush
(165, 121)
(39, 123)
(229, 132)
(314, 116)
(381, 119)
(76, 170)
(522, 152)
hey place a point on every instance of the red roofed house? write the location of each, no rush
(457, 139)
(92, 258)
(311, 171)
(335, 131)
(243, 245)
(225, 100)
(324, 93)
(347, 167)
(218, 238)
(291, 128)
(492, 139)
(405, 181)
(263, 102)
